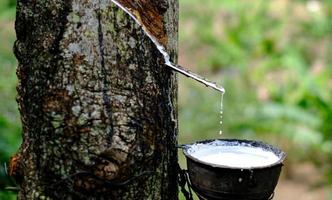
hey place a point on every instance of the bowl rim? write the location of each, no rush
(281, 154)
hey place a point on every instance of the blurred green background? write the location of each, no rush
(274, 57)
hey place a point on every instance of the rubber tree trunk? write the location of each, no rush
(97, 103)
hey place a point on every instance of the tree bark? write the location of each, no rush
(98, 106)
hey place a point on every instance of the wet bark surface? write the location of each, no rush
(97, 104)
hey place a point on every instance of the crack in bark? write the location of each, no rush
(106, 85)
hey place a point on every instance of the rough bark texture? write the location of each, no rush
(98, 106)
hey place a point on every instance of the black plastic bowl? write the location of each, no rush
(218, 182)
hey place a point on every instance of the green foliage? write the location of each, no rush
(7, 196)
(10, 128)
(7, 9)
(274, 61)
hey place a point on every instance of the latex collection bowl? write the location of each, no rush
(218, 182)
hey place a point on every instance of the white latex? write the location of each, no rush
(234, 156)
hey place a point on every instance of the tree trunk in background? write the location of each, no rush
(98, 106)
